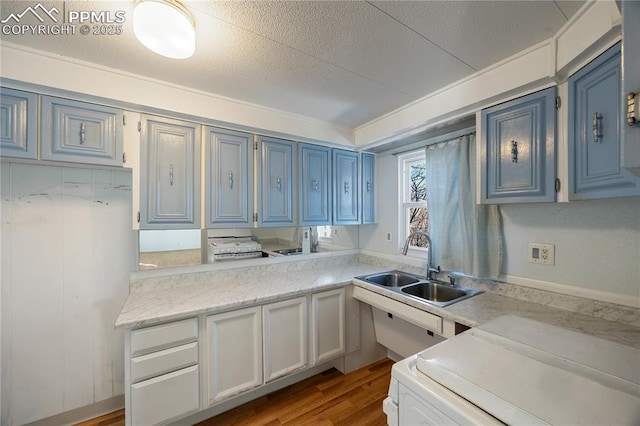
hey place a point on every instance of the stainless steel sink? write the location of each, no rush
(419, 288)
(392, 279)
(434, 292)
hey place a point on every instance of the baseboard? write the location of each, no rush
(83, 413)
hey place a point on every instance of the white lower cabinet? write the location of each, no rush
(328, 325)
(234, 353)
(243, 350)
(284, 326)
(162, 373)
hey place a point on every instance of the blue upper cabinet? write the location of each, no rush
(169, 174)
(315, 189)
(80, 132)
(228, 179)
(346, 187)
(368, 194)
(18, 138)
(275, 184)
(595, 122)
(518, 151)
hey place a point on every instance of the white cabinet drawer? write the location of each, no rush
(165, 398)
(157, 363)
(163, 336)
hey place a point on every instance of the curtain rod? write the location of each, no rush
(467, 131)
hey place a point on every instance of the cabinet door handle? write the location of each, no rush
(514, 151)
(230, 180)
(346, 186)
(314, 185)
(597, 136)
(171, 174)
(83, 132)
(279, 183)
(368, 186)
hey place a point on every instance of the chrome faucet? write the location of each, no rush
(431, 271)
(314, 239)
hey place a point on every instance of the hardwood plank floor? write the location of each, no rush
(328, 398)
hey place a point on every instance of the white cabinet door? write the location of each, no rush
(328, 328)
(284, 326)
(234, 353)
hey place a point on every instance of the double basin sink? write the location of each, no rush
(432, 292)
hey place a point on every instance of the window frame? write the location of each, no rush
(405, 160)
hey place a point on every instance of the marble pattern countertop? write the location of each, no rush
(225, 290)
(154, 299)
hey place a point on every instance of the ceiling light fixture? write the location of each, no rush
(165, 27)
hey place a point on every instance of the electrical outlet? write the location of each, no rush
(389, 237)
(335, 232)
(543, 254)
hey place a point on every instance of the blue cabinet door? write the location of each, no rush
(518, 150)
(18, 115)
(315, 190)
(368, 187)
(80, 132)
(346, 187)
(631, 85)
(170, 174)
(228, 179)
(595, 122)
(275, 192)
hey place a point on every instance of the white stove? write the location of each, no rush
(222, 245)
(517, 371)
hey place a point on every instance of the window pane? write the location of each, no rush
(418, 185)
(418, 221)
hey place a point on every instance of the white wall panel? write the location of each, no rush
(67, 251)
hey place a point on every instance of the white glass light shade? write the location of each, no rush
(165, 27)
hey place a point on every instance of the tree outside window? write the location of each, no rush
(415, 214)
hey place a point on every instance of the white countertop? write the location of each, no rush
(164, 297)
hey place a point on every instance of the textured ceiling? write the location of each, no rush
(346, 62)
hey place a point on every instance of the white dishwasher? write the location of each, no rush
(517, 371)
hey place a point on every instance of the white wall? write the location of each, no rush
(67, 252)
(597, 243)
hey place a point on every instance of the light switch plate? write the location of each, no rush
(543, 254)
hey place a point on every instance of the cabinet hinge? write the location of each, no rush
(633, 109)
(255, 217)
(124, 157)
(138, 217)
(255, 145)
(139, 126)
(124, 120)
(557, 185)
(558, 102)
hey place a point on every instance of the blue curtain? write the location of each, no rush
(467, 237)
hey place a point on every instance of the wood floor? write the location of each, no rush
(328, 398)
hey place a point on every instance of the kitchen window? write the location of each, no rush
(414, 214)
